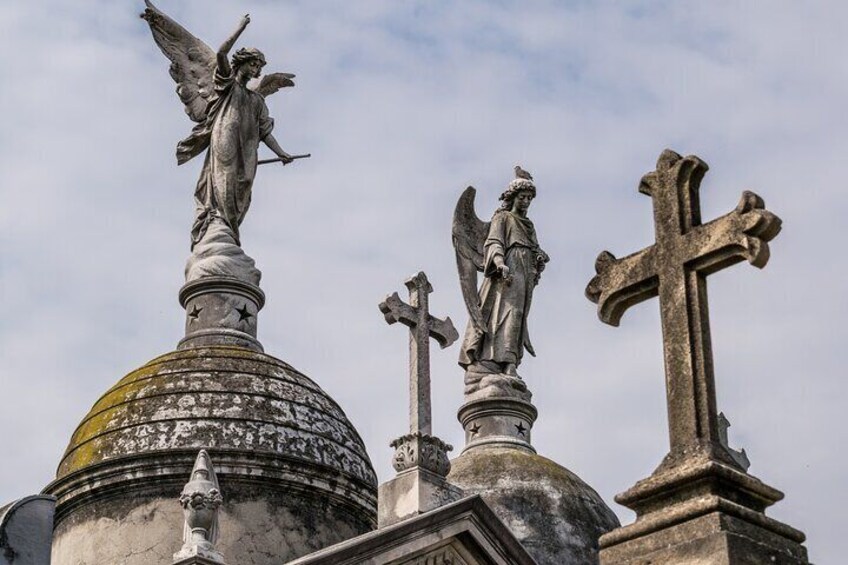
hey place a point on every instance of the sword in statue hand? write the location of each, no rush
(278, 159)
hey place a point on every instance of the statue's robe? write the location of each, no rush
(237, 120)
(505, 304)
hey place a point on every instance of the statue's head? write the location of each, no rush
(250, 56)
(514, 188)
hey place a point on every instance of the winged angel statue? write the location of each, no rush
(232, 119)
(507, 252)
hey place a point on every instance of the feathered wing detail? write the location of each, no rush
(192, 61)
(274, 82)
(469, 237)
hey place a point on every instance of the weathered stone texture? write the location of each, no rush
(465, 532)
(712, 539)
(413, 492)
(443, 556)
(701, 475)
(555, 515)
(295, 472)
(258, 527)
(26, 531)
(675, 269)
(220, 398)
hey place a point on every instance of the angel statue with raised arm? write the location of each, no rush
(507, 252)
(232, 119)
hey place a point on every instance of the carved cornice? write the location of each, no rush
(421, 450)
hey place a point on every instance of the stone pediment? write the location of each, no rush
(466, 532)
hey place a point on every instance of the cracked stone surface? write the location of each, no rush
(295, 472)
(218, 397)
(554, 514)
(255, 529)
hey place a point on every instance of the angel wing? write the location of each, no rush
(469, 235)
(192, 61)
(274, 82)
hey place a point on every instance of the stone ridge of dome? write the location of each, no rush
(221, 398)
(233, 352)
(127, 383)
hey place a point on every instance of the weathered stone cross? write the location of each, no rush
(675, 268)
(422, 326)
(420, 458)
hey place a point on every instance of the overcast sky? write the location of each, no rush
(403, 105)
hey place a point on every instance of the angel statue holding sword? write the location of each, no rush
(232, 119)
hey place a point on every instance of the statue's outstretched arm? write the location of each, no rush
(224, 50)
(272, 144)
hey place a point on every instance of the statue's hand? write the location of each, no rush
(505, 274)
(244, 21)
(285, 158)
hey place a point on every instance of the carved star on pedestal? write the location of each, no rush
(521, 429)
(194, 314)
(474, 429)
(244, 313)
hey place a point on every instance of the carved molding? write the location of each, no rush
(421, 450)
(441, 556)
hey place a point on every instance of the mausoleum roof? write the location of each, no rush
(263, 421)
(223, 398)
(556, 516)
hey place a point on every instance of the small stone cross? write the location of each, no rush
(420, 459)
(675, 268)
(422, 326)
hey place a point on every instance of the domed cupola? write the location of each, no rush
(555, 515)
(295, 473)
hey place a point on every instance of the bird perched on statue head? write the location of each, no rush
(521, 173)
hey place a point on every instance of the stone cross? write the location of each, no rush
(422, 326)
(675, 269)
(420, 458)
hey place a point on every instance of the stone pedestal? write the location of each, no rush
(422, 463)
(702, 511)
(413, 492)
(221, 311)
(498, 421)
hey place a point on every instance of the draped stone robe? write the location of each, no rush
(505, 304)
(237, 120)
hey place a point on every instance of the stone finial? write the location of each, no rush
(200, 499)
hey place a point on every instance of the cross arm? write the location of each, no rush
(741, 235)
(396, 310)
(622, 283)
(443, 331)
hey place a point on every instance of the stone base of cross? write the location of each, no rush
(699, 506)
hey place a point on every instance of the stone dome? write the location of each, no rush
(556, 516)
(294, 472)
